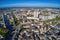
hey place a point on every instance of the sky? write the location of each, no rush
(29, 3)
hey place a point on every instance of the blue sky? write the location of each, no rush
(29, 3)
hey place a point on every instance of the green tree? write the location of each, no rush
(17, 22)
(3, 31)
